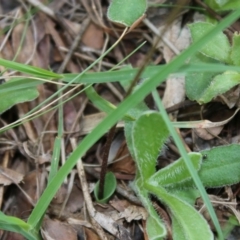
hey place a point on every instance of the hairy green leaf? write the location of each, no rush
(155, 226)
(176, 173)
(126, 12)
(221, 166)
(235, 52)
(219, 85)
(193, 225)
(197, 82)
(217, 48)
(149, 135)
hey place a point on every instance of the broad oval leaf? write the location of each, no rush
(217, 48)
(126, 12)
(148, 135)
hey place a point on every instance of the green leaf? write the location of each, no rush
(187, 195)
(98, 101)
(235, 52)
(40, 72)
(223, 5)
(197, 82)
(177, 230)
(193, 225)
(155, 226)
(14, 224)
(230, 5)
(154, 231)
(219, 85)
(149, 135)
(176, 173)
(221, 167)
(10, 98)
(126, 12)
(109, 188)
(229, 225)
(217, 48)
(203, 87)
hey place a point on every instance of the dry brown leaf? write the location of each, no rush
(28, 45)
(42, 56)
(93, 37)
(90, 235)
(59, 43)
(70, 115)
(59, 230)
(231, 97)
(175, 86)
(210, 133)
(134, 213)
(9, 176)
(7, 51)
(126, 165)
(120, 205)
(128, 211)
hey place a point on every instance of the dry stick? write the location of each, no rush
(48, 11)
(106, 148)
(74, 45)
(87, 197)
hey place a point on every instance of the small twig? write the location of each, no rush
(107, 146)
(87, 197)
(74, 45)
(48, 11)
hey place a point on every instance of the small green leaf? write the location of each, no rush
(193, 225)
(223, 5)
(149, 135)
(98, 101)
(155, 226)
(176, 173)
(177, 230)
(197, 82)
(10, 98)
(219, 85)
(109, 188)
(126, 12)
(154, 231)
(230, 5)
(235, 52)
(217, 48)
(221, 167)
(188, 195)
(40, 72)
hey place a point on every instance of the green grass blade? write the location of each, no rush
(29, 69)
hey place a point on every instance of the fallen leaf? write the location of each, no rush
(9, 176)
